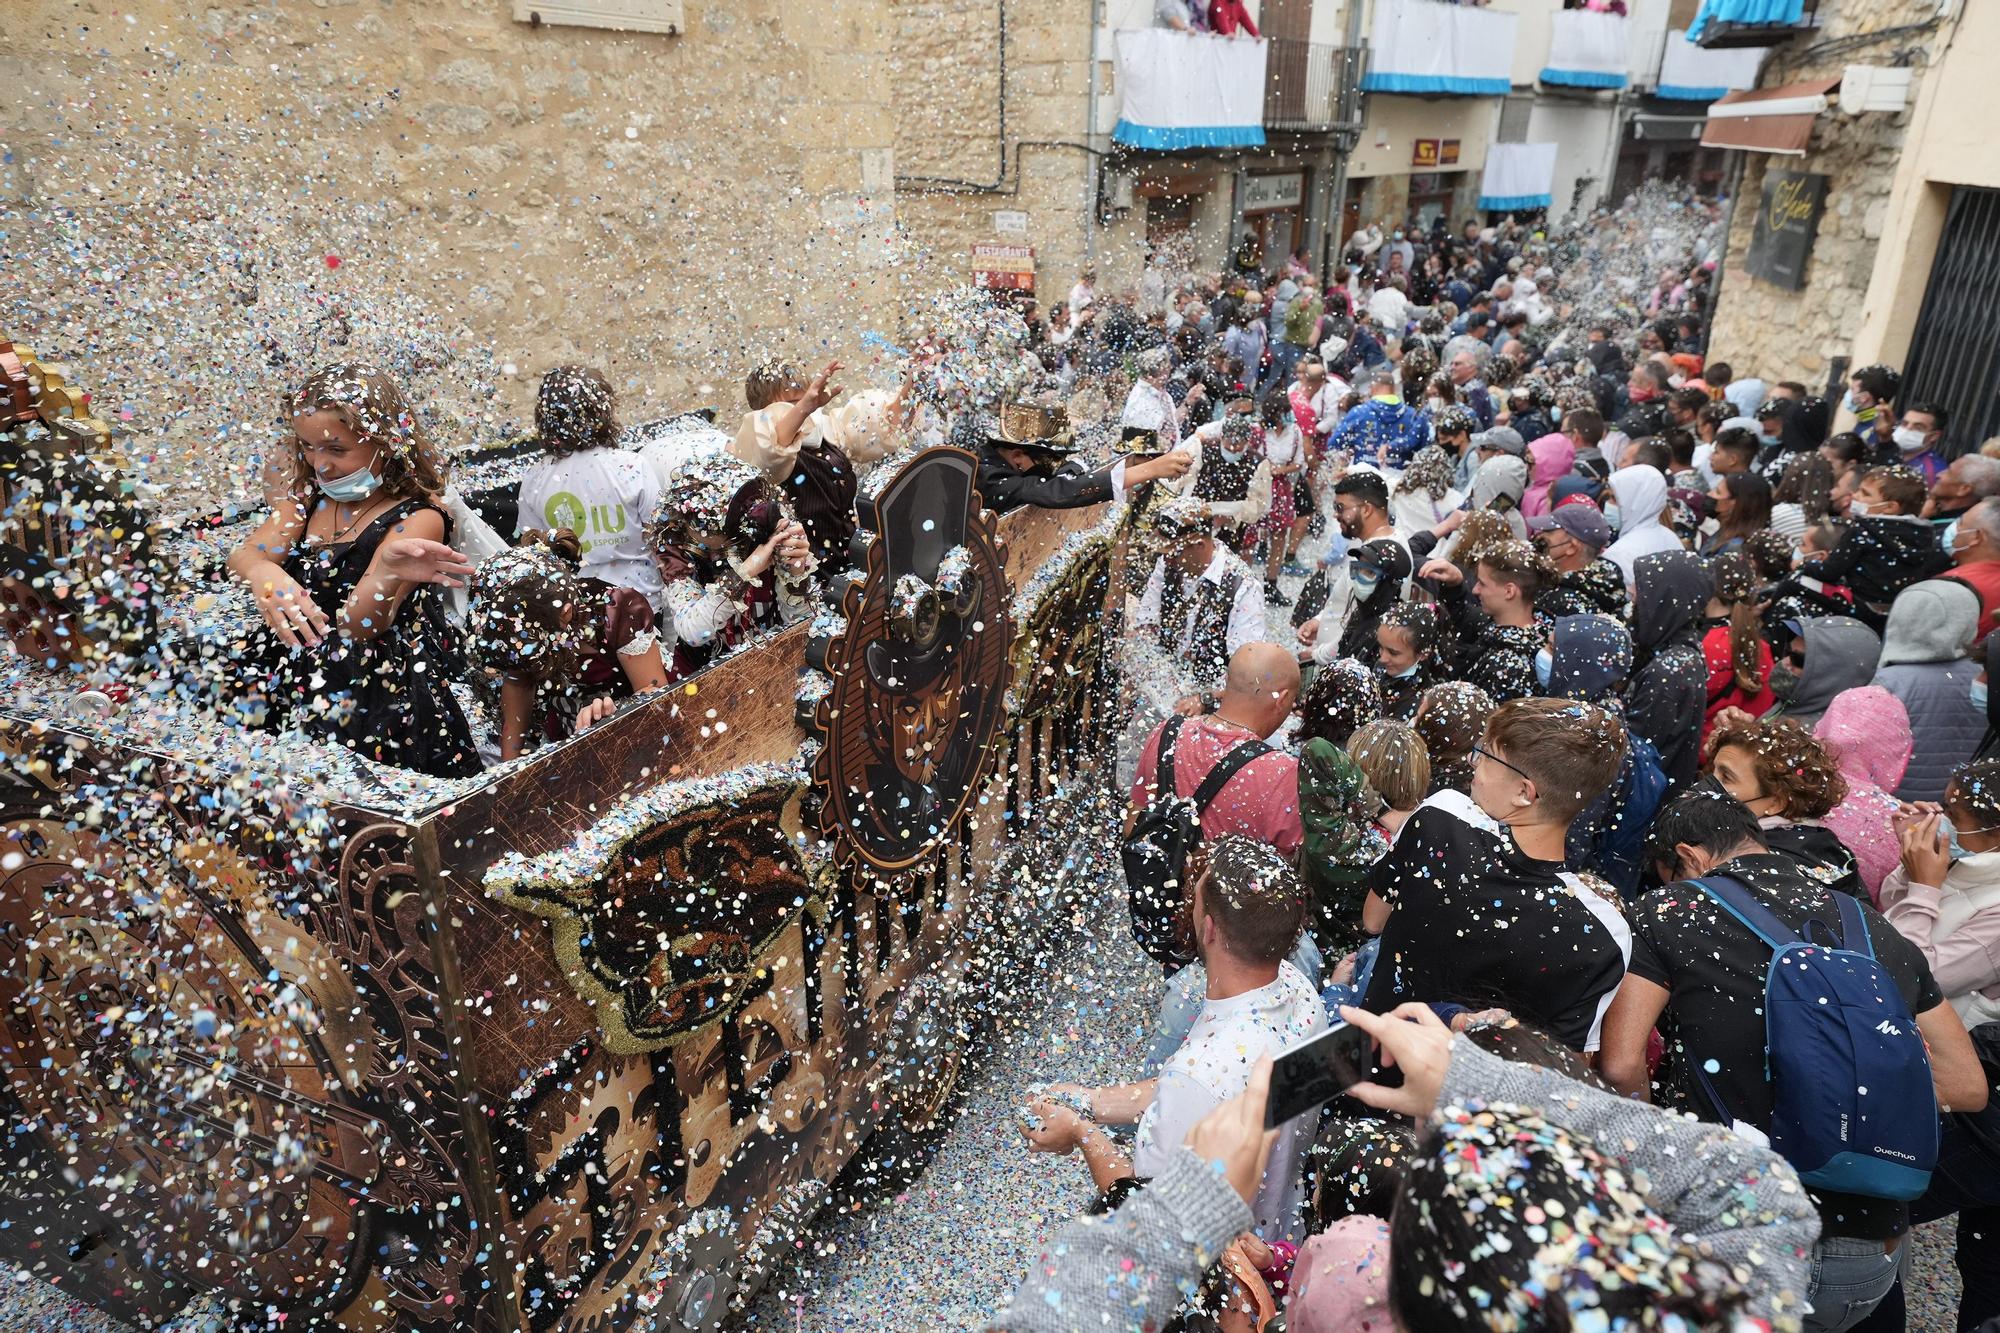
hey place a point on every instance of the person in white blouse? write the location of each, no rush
(1150, 407)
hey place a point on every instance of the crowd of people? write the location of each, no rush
(1623, 767)
(1548, 699)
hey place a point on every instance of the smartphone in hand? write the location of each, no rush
(1315, 1071)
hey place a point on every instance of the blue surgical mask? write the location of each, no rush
(356, 485)
(1404, 674)
(1847, 403)
(1545, 666)
(1956, 850)
(1950, 537)
(1556, 415)
(1611, 516)
(1766, 439)
(1232, 455)
(1365, 581)
(1978, 693)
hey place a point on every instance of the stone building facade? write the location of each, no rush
(188, 193)
(1812, 335)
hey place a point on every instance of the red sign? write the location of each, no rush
(1003, 267)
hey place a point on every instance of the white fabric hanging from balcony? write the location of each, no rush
(1690, 73)
(1423, 46)
(1586, 49)
(1189, 90)
(1519, 177)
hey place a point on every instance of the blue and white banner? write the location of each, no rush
(1690, 73)
(1189, 90)
(1519, 177)
(1587, 50)
(1785, 13)
(1423, 46)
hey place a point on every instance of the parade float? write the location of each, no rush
(581, 1043)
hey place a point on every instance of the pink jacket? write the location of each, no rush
(1965, 954)
(1868, 731)
(1554, 455)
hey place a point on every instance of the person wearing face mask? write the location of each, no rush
(1230, 478)
(1871, 391)
(1925, 664)
(1469, 879)
(1787, 777)
(363, 654)
(1919, 438)
(1406, 643)
(1973, 540)
(1886, 548)
(1570, 538)
(1376, 570)
(1823, 655)
(1945, 895)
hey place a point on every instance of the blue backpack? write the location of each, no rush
(1853, 1109)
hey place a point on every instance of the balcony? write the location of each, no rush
(1303, 83)
(1431, 49)
(1732, 23)
(1189, 90)
(1693, 73)
(1588, 51)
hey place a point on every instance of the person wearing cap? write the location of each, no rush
(1201, 603)
(1024, 461)
(1501, 440)
(1572, 537)
(1229, 474)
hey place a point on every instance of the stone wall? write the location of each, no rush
(1778, 334)
(188, 194)
(946, 104)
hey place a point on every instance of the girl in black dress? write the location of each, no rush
(341, 573)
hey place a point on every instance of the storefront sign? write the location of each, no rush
(1004, 267)
(1261, 194)
(1787, 221)
(1435, 153)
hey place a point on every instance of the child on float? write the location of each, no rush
(360, 650)
(590, 484)
(565, 646)
(811, 448)
(735, 559)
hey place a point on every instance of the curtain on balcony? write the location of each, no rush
(1519, 177)
(1189, 90)
(1785, 12)
(1422, 46)
(1587, 50)
(1690, 73)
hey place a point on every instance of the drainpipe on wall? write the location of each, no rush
(1094, 166)
(1353, 63)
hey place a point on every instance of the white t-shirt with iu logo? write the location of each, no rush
(606, 497)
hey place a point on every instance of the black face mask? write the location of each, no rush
(1784, 681)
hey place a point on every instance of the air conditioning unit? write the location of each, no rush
(1118, 190)
(1874, 88)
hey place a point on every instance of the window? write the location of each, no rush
(626, 15)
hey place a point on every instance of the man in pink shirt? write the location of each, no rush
(1261, 801)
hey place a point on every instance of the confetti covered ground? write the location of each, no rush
(945, 1252)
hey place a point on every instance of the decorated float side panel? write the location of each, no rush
(227, 1051)
(626, 1010)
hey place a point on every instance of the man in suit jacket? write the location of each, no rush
(1024, 461)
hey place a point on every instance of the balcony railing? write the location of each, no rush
(1727, 23)
(1303, 82)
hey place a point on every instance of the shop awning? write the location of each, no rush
(1769, 120)
(1650, 128)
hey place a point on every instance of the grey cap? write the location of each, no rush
(1585, 522)
(1504, 438)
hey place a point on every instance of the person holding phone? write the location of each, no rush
(1248, 911)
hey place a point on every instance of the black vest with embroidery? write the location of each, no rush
(1221, 480)
(1208, 605)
